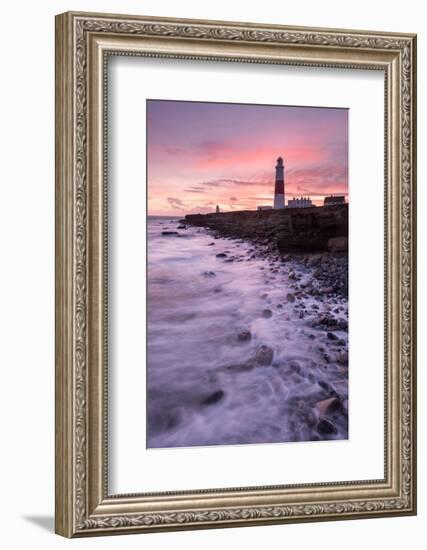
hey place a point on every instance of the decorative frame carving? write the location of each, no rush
(83, 42)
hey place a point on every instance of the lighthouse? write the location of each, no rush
(279, 186)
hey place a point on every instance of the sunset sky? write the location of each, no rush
(203, 154)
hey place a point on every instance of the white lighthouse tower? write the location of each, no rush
(279, 186)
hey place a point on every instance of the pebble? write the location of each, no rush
(213, 398)
(264, 356)
(267, 313)
(244, 336)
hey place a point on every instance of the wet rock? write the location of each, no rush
(211, 244)
(209, 274)
(169, 233)
(244, 336)
(329, 406)
(291, 275)
(221, 255)
(331, 336)
(159, 422)
(182, 226)
(228, 260)
(290, 297)
(294, 366)
(328, 290)
(264, 356)
(327, 388)
(214, 398)
(267, 313)
(342, 357)
(326, 426)
(241, 367)
(338, 244)
(315, 260)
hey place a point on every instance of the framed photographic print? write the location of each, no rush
(235, 274)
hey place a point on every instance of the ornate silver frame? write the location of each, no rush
(83, 42)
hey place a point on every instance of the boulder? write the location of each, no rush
(328, 406)
(264, 356)
(326, 426)
(338, 244)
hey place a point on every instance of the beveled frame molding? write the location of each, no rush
(83, 43)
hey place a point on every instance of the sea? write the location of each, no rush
(231, 359)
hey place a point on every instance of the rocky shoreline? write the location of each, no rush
(315, 300)
(290, 230)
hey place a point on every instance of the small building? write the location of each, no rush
(300, 202)
(264, 208)
(217, 209)
(333, 200)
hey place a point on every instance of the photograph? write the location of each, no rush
(235, 271)
(247, 273)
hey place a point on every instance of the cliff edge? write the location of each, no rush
(290, 230)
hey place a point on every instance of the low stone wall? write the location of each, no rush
(290, 230)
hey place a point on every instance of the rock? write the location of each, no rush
(229, 260)
(211, 244)
(327, 388)
(182, 226)
(290, 297)
(331, 336)
(314, 260)
(327, 290)
(264, 356)
(338, 244)
(241, 367)
(291, 275)
(209, 274)
(244, 336)
(294, 365)
(267, 313)
(326, 426)
(169, 233)
(214, 398)
(328, 406)
(342, 357)
(221, 255)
